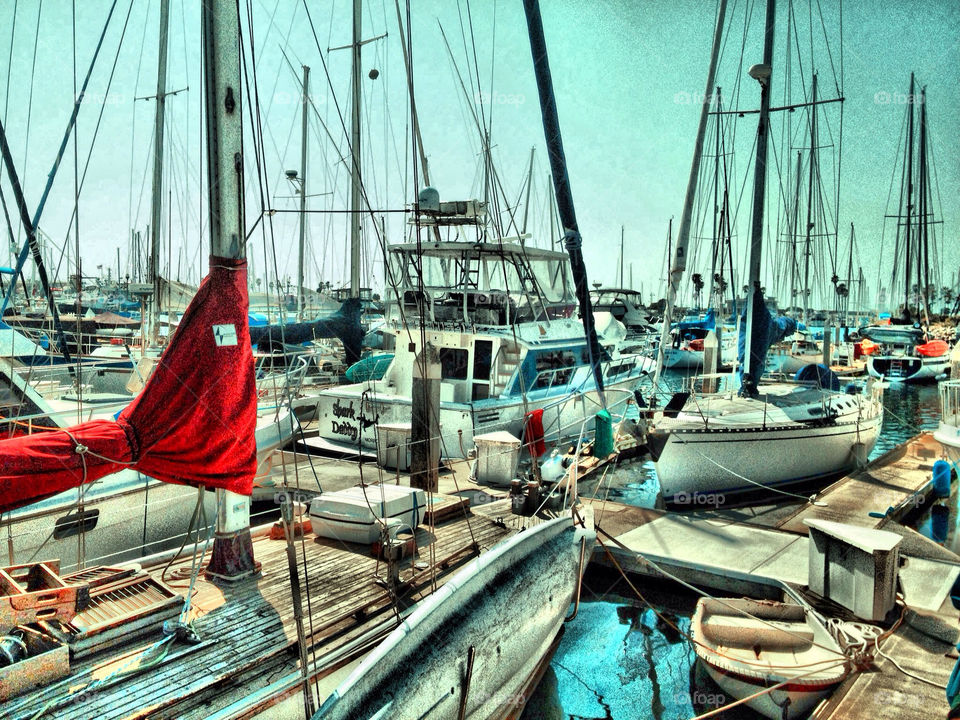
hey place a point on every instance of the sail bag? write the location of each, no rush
(193, 423)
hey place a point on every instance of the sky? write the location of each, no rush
(628, 77)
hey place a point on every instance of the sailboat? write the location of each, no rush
(707, 448)
(903, 351)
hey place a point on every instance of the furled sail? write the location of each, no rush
(193, 423)
(767, 330)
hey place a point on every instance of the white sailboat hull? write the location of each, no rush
(678, 359)
(505, 608)
(698, 465)
(126, 516)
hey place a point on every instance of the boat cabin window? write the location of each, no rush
(556, 367)
(453, 363)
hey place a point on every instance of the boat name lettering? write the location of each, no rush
(345, 429)
(341, 411)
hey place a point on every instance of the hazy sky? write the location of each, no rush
(627, 74)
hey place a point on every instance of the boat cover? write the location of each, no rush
(193, 423)
(767, 330)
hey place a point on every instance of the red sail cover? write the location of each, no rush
(533, 433)
(193, 423)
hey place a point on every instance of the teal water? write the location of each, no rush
(619, 660)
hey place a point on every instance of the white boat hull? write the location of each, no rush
(800, 701)
(127, 516)
(677, 359)
(907, 368)
(703, 465)
(505, 608)
(349, 415)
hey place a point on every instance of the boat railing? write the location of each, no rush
(950, 402)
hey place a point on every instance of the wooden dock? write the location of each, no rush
(247, 630)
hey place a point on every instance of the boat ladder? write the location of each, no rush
(896, 368)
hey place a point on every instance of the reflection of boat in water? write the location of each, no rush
(901, 353)
(500, 316)
(748, 645)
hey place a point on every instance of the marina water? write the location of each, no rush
(621, 660)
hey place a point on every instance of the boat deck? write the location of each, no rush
(248, 630)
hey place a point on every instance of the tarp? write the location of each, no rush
(193, 423)
(708, 322)
(767, 330)
(111, 318)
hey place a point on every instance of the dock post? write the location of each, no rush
(425, 420)
(827, 333)
(955, 362)
(711, 356)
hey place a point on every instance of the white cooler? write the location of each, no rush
(349, 516)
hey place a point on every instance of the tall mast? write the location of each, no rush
(301, 300)
(679, 263)
(621, 256)
(232, 557)
(716, 207)
(811, 179)
(561, 182)
(157, 187)
(355, 201)
(907, 243)
(846, 300)
(762, 74)
(923, 259)
(526, 202)
(793, 234)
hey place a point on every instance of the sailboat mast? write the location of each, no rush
(793, 235)
(355, 200)
(156, 196)
(301, 300)
(232, 557)
(526, 201)
(811, 179)
(679, 262)
(561, 182)
(716, 201)
(907, 243)
(621, 256)
(923, 226)
(762, 74)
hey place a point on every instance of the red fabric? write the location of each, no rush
(193, 423)
(533, 433)
(934, 348)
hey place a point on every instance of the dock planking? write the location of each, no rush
(249, 629)
(896, 481)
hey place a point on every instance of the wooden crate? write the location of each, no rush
(33, 592)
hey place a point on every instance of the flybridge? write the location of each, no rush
(477, 282)
(430, 211)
